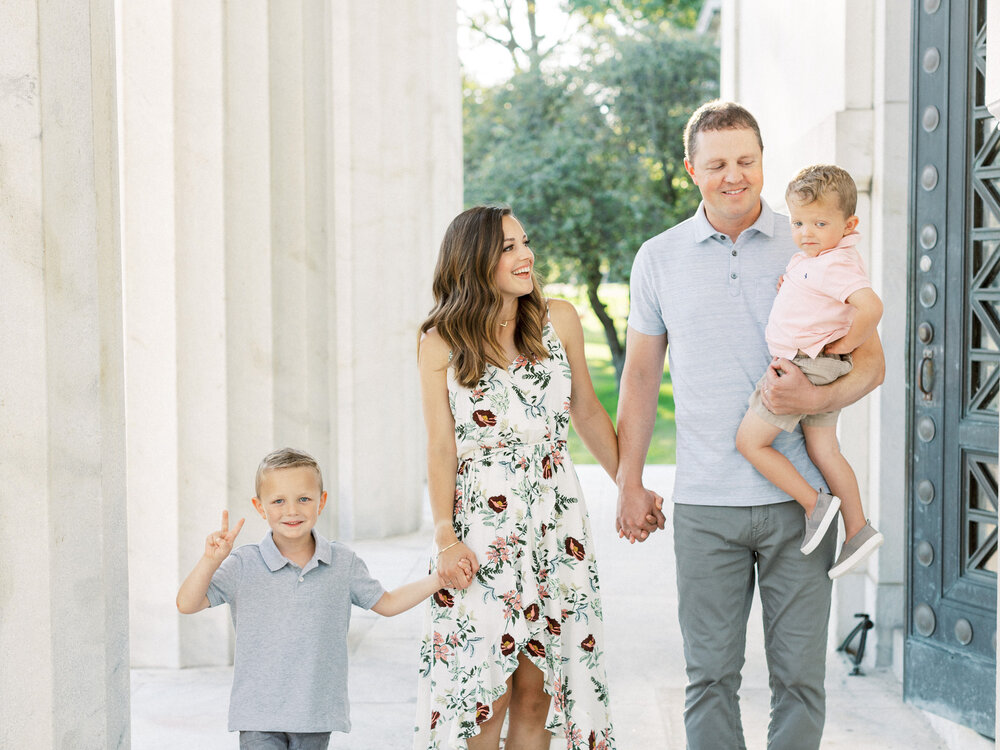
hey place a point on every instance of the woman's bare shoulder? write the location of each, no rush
(434, 351)
(563, 315)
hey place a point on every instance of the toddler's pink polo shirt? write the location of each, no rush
(811, 310)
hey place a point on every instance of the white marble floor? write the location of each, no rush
(186, 709)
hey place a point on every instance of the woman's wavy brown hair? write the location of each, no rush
(467, 302)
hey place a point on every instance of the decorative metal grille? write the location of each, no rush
(983, 284)
(983, 352)
(981, 513)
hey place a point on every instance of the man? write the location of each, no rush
(706, 285)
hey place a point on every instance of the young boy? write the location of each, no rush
(290, 597)
(824, 310)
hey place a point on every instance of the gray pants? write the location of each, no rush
(718, 550)
(284, 740)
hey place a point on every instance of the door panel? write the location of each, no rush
(954, 372)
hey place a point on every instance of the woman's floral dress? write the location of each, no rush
(519, 507)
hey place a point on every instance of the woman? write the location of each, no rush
(502, 373)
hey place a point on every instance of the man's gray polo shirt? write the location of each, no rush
(290, 665)
(712, 297)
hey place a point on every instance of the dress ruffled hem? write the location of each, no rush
(455, 724)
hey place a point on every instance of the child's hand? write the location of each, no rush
(466, 568)
(459, 579)
(781, 280)
(219, 543)
(456, 565)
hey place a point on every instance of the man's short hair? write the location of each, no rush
(820, 181)
(718, 115)
(285, 458)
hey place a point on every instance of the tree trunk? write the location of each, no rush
(608, 324)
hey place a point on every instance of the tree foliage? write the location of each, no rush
(680, 13)
(591, 158)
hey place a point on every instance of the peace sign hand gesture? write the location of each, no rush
(219, 543)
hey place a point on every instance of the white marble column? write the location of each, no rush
(396, 185)
(276, 228)
(63, 569)
(174, 262)
(289, 169)
(202, 400)
(250, 377)
(301, 298)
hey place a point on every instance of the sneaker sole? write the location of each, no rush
(824, 526)
(858, 557)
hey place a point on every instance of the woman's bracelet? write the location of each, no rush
(447, 548)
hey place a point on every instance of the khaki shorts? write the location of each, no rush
(823, 369)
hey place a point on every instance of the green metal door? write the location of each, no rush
(954, 274)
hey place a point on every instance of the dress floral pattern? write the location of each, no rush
(519, 507)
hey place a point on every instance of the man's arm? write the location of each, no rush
(637, 402)
(792, 393)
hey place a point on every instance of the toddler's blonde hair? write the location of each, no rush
(818, 182)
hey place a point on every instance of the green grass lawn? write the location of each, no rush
(662, 448)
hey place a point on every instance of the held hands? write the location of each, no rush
(456, 566)
(219, 543)
(640, 513)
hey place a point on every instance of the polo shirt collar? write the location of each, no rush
(276, 561)
(703, 229)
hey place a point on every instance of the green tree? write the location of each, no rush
(680, 13)
(591, 158)
(545, 148)
(497, 22)
(650, 85)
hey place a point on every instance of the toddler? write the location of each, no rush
(824, 310)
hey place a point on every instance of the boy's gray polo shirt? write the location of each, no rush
(712, 298)
(290, 665)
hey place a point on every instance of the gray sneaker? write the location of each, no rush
(856, 550)
(816, 525)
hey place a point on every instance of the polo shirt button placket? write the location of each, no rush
(734, 275)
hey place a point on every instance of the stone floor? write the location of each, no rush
(186, 709)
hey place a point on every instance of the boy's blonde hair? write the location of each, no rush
(285, 458)
(819, 181)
